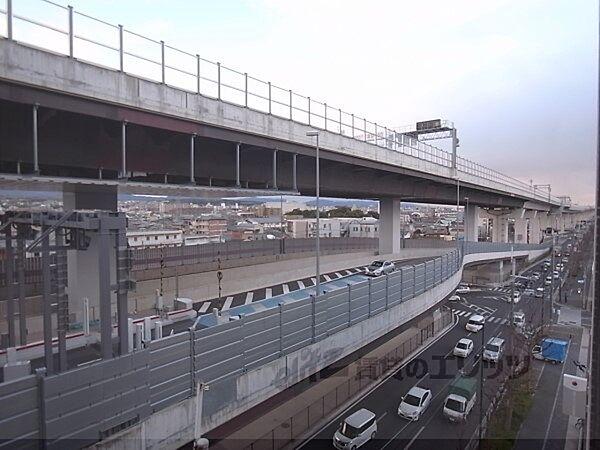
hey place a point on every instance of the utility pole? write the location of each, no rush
(480, 429)
(512, 338)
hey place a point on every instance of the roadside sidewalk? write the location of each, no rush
(300, 414)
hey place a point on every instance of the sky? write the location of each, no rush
(517, 78)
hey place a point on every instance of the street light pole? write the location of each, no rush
(317, 189)
(465, 221)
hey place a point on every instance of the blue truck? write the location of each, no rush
(550, 349)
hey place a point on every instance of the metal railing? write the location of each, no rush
(52, 26)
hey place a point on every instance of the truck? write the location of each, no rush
(551, 349)
(462, 394)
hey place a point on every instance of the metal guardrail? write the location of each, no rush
(52, 26)
(167, 370)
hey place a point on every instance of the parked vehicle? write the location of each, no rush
(539, 292)
(475, 323)
(454, 298)
(355, 430)
(529, 292)
(462, 395)
(493, 350)
(463, 289)
(548, 280)
(463, 348)
(378, 268)
(414, 403)
(535, 276)
(550, 349)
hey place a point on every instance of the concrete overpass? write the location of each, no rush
(228, 136)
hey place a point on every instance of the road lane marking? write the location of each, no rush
(339, 275)
(227, 303)
(249, 297)
(559, 387)
(415, 437)
(377, 386)
(327, 277)
(268, 292)
(314, 280)
(286, 288)
(348, 272)
(204, 307)
(301, 284)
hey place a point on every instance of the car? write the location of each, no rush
(462, 289)
(378, 268)
(529, 292)
(556, 275)
(414, 403)
(355, 430)
(548, 280)
(516, 297)
(581, 281)
(535, 276)
(493, 349)
(463, 348)
(539, 292)
(565, 260)
(475, 323)
(454, 298)
(519, 319)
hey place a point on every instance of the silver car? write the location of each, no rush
(378, 268)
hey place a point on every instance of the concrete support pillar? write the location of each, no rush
(522, 230)
(561, 223)
(500, 229)
(389, 226)
(472, 223)
(83, 271)
(544, 221)
(535, 231)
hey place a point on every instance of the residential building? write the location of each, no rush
(154, 238)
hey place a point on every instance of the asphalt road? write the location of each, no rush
(435, 368)
(254, 295)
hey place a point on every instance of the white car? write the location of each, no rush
(519, 319)
(516, 298)
(463, 348)
(414, 403)
(378, 268)
(454, 298)
(355, 430)
(463, 289)
(475, 323)
(548, 280)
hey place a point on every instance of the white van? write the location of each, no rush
(355, 430)
(493, 350)
(475, 323)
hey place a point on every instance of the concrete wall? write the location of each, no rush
(204, 286)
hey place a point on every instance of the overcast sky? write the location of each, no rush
(518, 78)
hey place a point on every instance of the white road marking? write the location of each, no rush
(268, 293)
(227, 303)
(286, 288)
(339, 275)
(314, 280)
(349, 272)
(415, 437)
(204, 307)
(504, 321)
(327, 277)
(301, 284)
(249, 297)
(490, 319)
